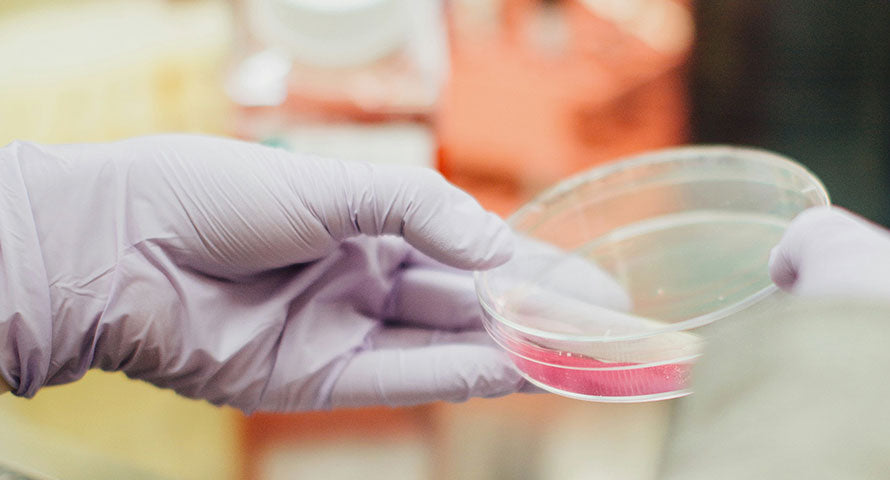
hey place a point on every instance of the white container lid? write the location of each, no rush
(332, 33)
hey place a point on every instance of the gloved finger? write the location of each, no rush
(402, 377)
(252, 207)
(830, 251)
(435, 298)
(418, 204)
(645, 340)
(414, 337)
(538, 265)
(416, 258)
(788, 256)
(571, 276)
(547, 289)
(446, 298)
(402, 338)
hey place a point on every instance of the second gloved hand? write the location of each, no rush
(829, 252)
(244, 275)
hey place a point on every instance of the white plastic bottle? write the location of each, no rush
(355, 79)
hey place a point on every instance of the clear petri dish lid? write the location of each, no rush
(654, 244)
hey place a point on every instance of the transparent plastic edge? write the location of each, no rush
(649, 158)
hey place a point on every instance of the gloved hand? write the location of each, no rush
(828, 251)
(244, 275)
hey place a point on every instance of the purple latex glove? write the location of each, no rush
(827, 251)
(244, 275)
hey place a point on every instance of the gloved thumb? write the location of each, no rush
(418, 204)
(830, 251)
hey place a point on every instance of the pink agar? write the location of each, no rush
(569, 372)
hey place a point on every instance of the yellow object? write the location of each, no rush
(99, 71)
(106, 426)
(104, 70)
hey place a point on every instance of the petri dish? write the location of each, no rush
(619, 268)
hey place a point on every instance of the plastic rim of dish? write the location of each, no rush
(494, 321)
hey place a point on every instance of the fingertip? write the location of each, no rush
(782, 272)
(415, 374)
(787, 256)
(488, 239)
(772, 263)
(419, 204)
(497, 377)
(477, 371)
(460, 233)
(529, 387)
(502, 245)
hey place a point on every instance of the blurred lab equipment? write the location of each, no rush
(540, 90)
(104, 70)
(349, 79)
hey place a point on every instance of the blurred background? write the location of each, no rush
(505, 97)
